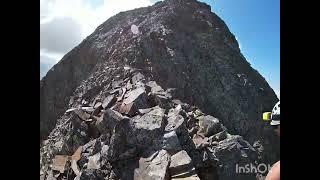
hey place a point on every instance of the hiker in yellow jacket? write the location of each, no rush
(274, 173)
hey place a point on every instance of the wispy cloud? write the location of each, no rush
(64, 24)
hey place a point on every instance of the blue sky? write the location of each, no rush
(256, 24)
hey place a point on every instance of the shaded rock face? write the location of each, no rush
(127, 81)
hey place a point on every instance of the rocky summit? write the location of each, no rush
(156, 93)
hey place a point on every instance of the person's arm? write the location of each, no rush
(274, 173)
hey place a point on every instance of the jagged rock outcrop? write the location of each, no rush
(119, 95)
(168, 139)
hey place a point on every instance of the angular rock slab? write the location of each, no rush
(200, 142)
(175, 123)
(137, 77)
(155, 88)
(209, 125)
(60, 163)
(128, 109)
(181, 166)
(94, 161)
(90, 174)
(171, 142)
(108, 101)
(146, 129)
(109, 120)
(144, 111)
(233, 152)
(134, 94)
(154, 167)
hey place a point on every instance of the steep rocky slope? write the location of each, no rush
(182, 47)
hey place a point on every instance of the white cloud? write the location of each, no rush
(50, 57)
(60, 35)
(47, 60)
(65, 23)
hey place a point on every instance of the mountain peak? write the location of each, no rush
(137, 67)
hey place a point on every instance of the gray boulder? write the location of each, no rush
(171, 142)
(181, 166)
(148, 129)
(209, 125)
(153, 167)
(233, 153)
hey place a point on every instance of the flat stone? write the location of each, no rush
(150, 121)
(98, 104)
(162, 100)
(42, 177)
(129, 85)
(81, 114)
(59, 163)
(87, 109)
(144, 111)
(116, 84)
(139, 84)
(89, 146)
(175, 123)
(181, 165)
(92, 147)
(94, 161)
(112, 117)
(219, 136)
(75, 168)
(146, 129)
(109, 120)
(50, 176)
(70, 110)
(171, 142)
(137, 77)
(104, 149)
(115, 91)
(209, 125)
(232, 152)
(154, 167)
(181, 158)
(90, 174)
(134, 94)
(108, 101)
(175, 111)
(123, 91)
(128, 109)
(155, 88)
(77, 154)
(200, 142)
(214, 143)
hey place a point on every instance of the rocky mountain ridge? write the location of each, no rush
(156, 57)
